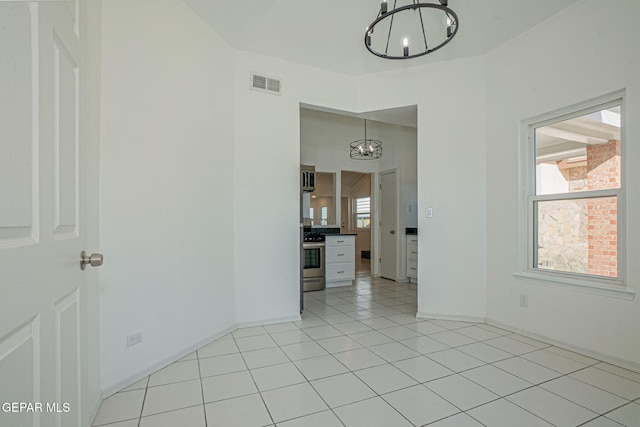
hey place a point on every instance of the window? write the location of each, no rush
(363, 212)
(574, 189)
(323, 215)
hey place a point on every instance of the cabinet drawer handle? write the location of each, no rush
(414, 252)
(412, 268)
(340, 255)
(340, 272)
(340, 241)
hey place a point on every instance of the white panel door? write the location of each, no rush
(388, 225)
(41, 214)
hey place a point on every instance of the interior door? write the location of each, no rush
(344, 215)
(42, 214)
(388, 225)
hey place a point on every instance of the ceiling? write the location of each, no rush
(348, 179)
(329, 34)
(403, 116)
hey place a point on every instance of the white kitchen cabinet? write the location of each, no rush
(340, 260)
(412, 258)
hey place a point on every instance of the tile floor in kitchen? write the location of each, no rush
(359, 358)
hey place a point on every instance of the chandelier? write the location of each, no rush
(366, 149)
(412, 30)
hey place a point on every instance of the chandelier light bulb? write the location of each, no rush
(449, 24)
(405, 46)
(383, 7)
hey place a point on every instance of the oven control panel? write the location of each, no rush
(313, 237)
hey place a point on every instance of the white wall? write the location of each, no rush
(587, 51)
(267, 157)
(166, 184)
(188, 152)
(451, 170)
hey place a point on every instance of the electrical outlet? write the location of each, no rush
(524, 300)
(429, 213)
(134, 339)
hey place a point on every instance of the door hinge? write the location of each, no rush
(380, 186)
(380, 260)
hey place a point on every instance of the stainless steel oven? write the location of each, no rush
(313, 266)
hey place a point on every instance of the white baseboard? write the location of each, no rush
(440, 316)
(135, 378)
(339, 284)
(269, 321)
(626, 364)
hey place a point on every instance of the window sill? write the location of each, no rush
(613, 289)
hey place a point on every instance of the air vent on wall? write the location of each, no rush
(266, 84)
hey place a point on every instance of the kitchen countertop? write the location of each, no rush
(327, 231)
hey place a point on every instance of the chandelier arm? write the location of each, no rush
(426, 46)
(386, 50)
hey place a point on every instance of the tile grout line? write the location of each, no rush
(144, 399)
(387, 362)
(305, 377)
(511, 357)
(204, 408)
(330, 376)
(254, 380)
(379, 298)
(460, 372)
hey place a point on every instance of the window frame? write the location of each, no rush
(527, 237)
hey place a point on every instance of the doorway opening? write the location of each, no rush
(325, 137)
(357, 215)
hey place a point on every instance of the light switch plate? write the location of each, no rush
(429, 213)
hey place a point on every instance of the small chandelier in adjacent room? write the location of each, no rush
(366, 149)
(410, 30)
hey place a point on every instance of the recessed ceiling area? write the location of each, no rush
(329, 34)
(403, 116)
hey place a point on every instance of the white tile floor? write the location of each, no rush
(360, 358)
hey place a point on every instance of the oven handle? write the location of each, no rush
(312, 245)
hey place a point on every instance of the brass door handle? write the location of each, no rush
(393, 232)
(95, 260)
